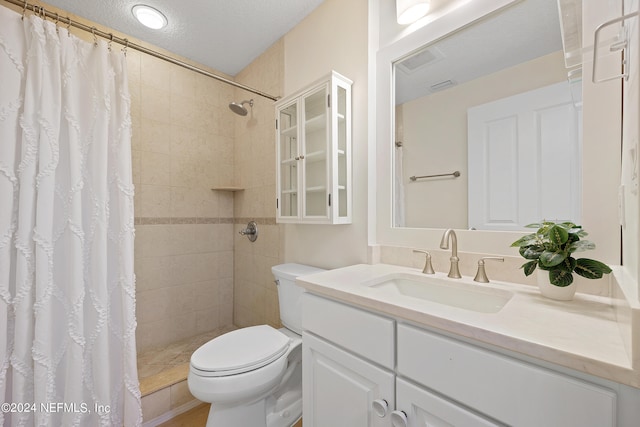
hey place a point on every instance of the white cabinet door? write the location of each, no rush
(339, 389)
(524, 156)
(423, 408)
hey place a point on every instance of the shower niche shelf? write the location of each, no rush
(313, 166)
(233, 189)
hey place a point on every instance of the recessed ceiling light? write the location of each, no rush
(149, 17)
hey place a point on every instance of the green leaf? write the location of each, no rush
(591, 269)
(581, 246)
(529, 267)
(552, 258)
(560, 278)
(531, 252)
(525, 240)
(569, 264)
(558, 235)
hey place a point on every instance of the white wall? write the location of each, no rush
(334, 37)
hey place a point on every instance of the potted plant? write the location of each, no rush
(551, 249)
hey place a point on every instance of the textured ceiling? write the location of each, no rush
(226, 35)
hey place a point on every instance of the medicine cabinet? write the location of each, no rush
(313, 154)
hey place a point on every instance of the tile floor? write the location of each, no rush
(162, 367)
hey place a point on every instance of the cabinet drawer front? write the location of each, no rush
(511, 391)
(363, 333)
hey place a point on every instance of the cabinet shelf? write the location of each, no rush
(291, 191)
(288, 161)
(290, 132)
(316, 156)
(316, 189)
(316, 123)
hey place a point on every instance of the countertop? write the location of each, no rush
(583, 334)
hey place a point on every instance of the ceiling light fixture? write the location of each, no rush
(409, 11)
(149, 17)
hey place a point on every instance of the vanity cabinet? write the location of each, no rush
(364, 369)
(313, 153)
(348, 378)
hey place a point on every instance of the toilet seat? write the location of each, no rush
(239, 351)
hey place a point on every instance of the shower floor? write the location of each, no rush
(164, 366)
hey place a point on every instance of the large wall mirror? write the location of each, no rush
(485, 90)
(487, 126)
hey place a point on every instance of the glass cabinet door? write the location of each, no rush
(342, 152)
(288, 161)
(314, 154)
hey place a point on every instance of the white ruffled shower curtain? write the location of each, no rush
(67, 292)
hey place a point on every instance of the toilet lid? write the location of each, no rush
(240, 351)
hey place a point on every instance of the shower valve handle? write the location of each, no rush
(251, 231)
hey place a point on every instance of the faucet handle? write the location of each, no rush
(481, 275)
(428, 268)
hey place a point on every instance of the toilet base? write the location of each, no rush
(285, 412)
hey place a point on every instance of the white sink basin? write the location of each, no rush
(449, 292)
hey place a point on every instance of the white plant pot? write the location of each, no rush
(560, 293)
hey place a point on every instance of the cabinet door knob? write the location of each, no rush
(399, 419)
(297, 157)
(380, 407)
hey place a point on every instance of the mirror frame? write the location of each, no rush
(495, 242)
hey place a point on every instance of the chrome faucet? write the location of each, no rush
(449, 234)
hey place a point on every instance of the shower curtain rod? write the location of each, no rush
(40, 11)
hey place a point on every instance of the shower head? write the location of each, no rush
(239, 108)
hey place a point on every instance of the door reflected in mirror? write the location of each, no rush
(493, 102)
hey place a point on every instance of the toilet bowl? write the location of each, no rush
(253, 376)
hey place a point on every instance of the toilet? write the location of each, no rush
(253, 376)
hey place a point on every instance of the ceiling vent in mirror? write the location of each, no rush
(419, 60)
(442, 85)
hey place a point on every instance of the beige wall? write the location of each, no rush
(435, 138)
(182, 146)
(255, 294)
(334, 37)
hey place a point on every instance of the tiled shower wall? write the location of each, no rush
(256, 297)
(182, 147)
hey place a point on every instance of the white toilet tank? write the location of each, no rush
(289, 293)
